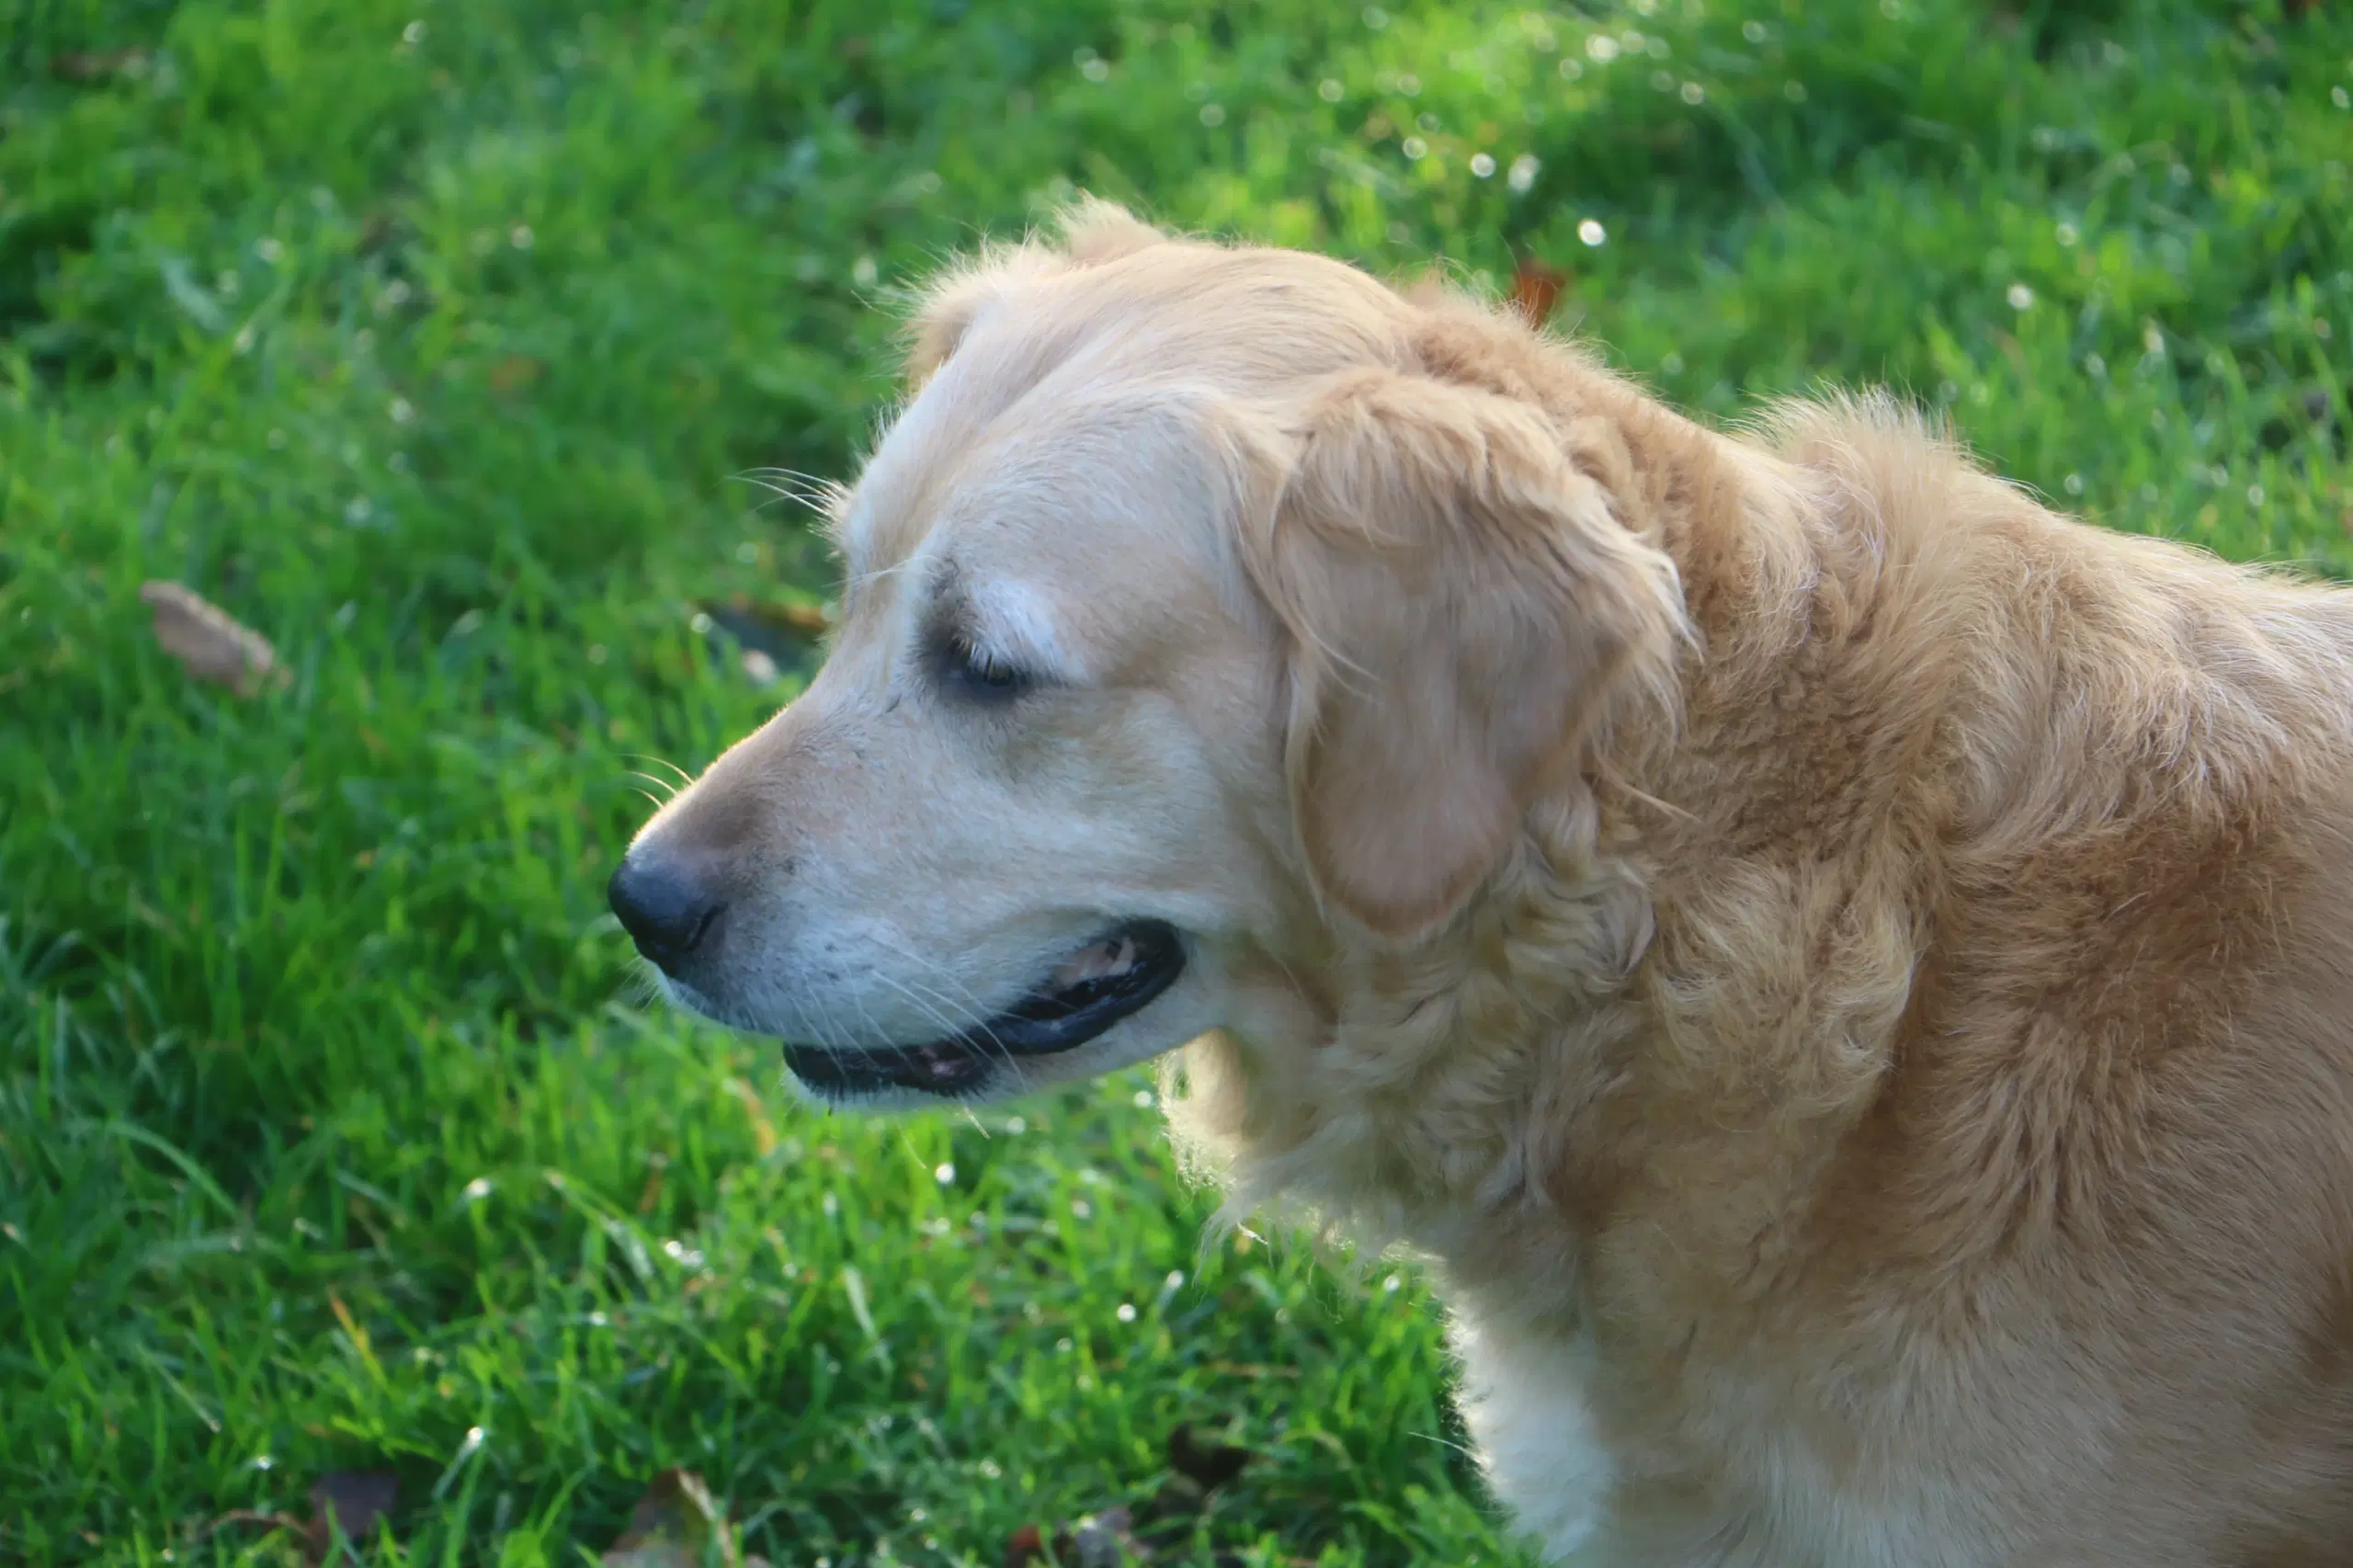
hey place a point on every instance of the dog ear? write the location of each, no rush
(1461, 602)
(1093, 232)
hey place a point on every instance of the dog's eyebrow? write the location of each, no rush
(952, 616)
(947, 604)
(948, 612)
(1006, 616)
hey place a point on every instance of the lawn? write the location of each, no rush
(436, 341)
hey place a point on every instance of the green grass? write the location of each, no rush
(430, 339)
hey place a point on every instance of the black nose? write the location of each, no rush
(665, 912)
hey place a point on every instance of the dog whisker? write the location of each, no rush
(668, 790)
(684, 777)
(982, 1012)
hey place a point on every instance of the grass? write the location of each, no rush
(431, 338)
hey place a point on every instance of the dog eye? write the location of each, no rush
(981, 672)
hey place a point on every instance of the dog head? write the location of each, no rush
(1207, 609)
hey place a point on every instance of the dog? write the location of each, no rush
(1845, 975)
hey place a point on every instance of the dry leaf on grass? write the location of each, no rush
(676, 1525)
(1535, 288)
(812, 620)
(94, 66)
(514, 373)
(768, 633)
(772, 624)
(350, 1502)
(1105, 1540)
(1117, 1536)
(208, 643)
(1196, 1469)
(1206, 1465)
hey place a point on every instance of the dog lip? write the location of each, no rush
(1043, 1023)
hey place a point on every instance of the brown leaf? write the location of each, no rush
(208, 643)
(1111, 1537)
(92, 67)
(674, 1525)
(1102, 1540)
(747, 618)
(1535, 288)
(1024, 1546)
(252, 1516)
(350, 1502)
(1206, 1465)
(1179, 1499)
(514, 373)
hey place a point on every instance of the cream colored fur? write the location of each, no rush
(1847, 975)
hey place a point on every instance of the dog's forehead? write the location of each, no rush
(1067, 478)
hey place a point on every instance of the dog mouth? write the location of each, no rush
(1114, 977)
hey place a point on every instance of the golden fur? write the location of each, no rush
(1847, 974)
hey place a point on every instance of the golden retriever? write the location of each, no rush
(1845, 974)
